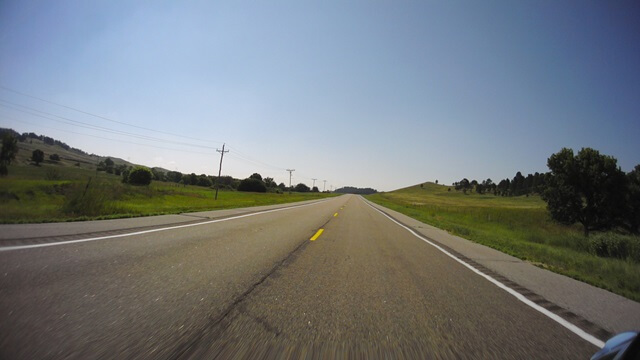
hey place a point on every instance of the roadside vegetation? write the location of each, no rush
(72, 196)
(45, 180)
(522, 226)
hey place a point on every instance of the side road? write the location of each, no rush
(578, 301)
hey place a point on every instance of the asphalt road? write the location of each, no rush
(256, 286)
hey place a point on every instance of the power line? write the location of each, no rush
(99, 116)
(91, 126)
(111, 139)
(258, 162)
(77, 123)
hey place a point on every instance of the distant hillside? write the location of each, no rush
(69, 156)
(355, 190)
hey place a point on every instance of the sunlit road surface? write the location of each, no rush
(266, 285)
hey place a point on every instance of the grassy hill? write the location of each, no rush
(519, 226)
(68, 157)
(72, 189)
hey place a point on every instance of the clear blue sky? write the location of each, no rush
(381, 94)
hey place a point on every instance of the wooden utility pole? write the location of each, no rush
(290, 171)
(324, 186)
(220, 169)
(314, 183)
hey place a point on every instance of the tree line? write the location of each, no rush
(588, 188)
(356, 190)
(519, 185)
(253, 183)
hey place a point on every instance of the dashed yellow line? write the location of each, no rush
(317, 235)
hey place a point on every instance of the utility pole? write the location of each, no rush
(324, 187)
(290, 172)
(314, 183)
(220, 169)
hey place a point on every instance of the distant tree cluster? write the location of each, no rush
(587, 188)
(254, 183)
(356, 190)
(519, 185)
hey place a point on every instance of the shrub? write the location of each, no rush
(86, 200)
(252, 185)
(52, 174)
(614, 245)
(140, 175)
(54, 157)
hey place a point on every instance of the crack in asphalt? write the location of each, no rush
(216, 324)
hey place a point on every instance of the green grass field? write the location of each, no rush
(519, 226)
(50, 193)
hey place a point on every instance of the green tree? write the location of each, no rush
(8, 152)
(252, 185)
(463, 185)
(125, 175)
(108, 166)
(203, 180)
(269, 182)
(302, 188)
(174, 176)
(588, 188)
(37, 156)
(140, 175)
(158, 175)
(54, 157)
(119, 169)
(256, 176)
(633, 201)
(517, 184)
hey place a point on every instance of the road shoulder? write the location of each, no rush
(610, 312)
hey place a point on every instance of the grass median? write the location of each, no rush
(519, 226)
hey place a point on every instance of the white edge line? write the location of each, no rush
(33, 246)
(576, 330)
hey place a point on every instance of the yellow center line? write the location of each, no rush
(317, 235)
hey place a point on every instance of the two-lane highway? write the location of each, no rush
(249, 286)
